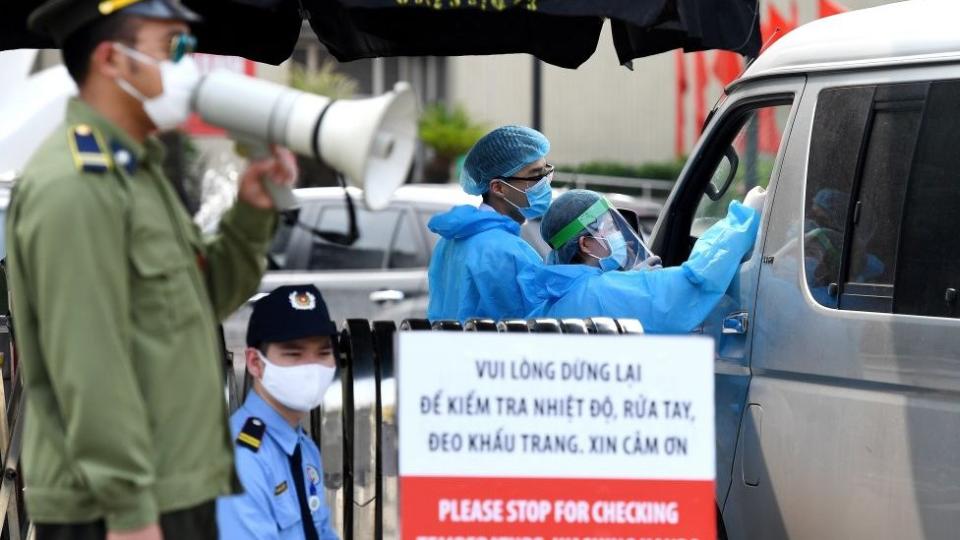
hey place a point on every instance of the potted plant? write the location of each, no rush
(450, 133)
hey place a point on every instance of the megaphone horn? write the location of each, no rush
(370, 140)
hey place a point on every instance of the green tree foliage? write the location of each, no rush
(449, 130)
(325, 81)
(654, 170)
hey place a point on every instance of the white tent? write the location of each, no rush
(31, 106)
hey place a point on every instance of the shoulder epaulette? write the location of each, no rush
(87, 149)
(252, 433)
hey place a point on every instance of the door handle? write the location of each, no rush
(387, 295)
(736, 323)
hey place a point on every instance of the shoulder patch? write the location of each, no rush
(252, 433)
(86, 148)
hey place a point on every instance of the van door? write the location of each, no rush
(854, 403)
(741, 148)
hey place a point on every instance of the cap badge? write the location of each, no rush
(303, 300)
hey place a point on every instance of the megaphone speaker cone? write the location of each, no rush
(372, 142)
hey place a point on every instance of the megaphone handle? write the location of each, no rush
(283, 197)
(253, 149)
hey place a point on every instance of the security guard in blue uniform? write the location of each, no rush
(291, 358)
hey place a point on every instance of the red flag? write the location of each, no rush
(829, 7)
(773, 29)
(726, 66)
(777, 25)
(700, 81)
(769, 136)
(679, 141)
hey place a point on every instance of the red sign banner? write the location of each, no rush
(557, 508)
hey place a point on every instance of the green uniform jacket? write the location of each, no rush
(116, 298)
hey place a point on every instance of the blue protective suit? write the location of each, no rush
(669, 300)
(474, 267)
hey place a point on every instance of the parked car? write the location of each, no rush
(382, 276)
(837, 364)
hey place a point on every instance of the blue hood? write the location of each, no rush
(465, 221)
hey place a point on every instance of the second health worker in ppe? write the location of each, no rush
(597, 266)
(474, 268)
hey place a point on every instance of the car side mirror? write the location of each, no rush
(723, 175)
(632, 218)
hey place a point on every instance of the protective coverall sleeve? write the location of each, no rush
(678, 299)
(235, 257)
(496, 276)
(69, 239)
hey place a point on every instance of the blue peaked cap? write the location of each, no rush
(502, 152)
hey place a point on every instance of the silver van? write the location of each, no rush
(838, 345)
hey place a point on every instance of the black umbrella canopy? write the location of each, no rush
(262, 30)
(561, 32)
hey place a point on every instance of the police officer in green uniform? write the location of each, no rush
(116, 295)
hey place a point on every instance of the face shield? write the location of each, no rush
(611, 240)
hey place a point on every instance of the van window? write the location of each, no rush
(928, 262)
(876, 154)
(750, 159)
(838, 127)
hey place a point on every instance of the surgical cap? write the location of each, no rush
(500, 153)
(562, 212)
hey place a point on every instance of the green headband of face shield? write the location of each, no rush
(580, 223)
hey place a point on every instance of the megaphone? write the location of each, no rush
(371, 141)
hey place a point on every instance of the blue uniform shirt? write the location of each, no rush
(269, 509)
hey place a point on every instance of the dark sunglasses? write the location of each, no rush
(182, 45)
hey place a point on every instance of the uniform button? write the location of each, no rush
(122, 158)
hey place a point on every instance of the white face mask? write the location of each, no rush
(300, 388)
(172, 107)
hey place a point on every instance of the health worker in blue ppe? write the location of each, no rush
(291, 356)
(474, 268)
(599, 267)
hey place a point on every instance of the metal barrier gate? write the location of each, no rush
(14, 523)
(356, 427)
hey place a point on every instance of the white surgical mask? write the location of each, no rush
(172, 107)
(301, 387)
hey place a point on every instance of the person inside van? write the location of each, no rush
(597, 266)
(474, 268)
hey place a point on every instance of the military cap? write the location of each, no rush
(61, 18)
(289, 313)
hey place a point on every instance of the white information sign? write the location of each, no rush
(555, 436)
